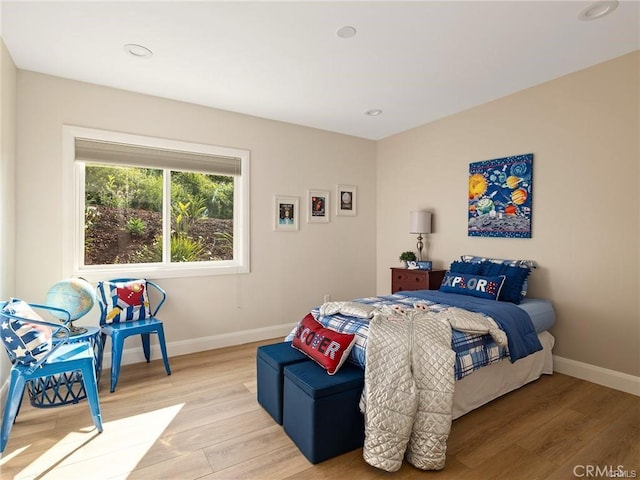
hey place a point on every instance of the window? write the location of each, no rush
(155, 206)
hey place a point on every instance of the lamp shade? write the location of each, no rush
(420, 222)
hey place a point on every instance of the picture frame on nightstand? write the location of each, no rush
(424, 265)
(419, 265)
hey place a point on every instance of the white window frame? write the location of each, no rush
(73, 217)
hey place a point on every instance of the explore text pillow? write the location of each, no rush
(474, 285)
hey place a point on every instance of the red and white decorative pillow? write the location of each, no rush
(326, 347)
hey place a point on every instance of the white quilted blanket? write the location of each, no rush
(472, 322)
(409, 385)
(355, 309)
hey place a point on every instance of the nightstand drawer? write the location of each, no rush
(406, 280)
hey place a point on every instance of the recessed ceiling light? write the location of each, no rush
(373, 112)
(347, 32)
(138, 51)
(598, 10)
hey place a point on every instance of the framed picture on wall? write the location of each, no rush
(501, 197)
(346, 200)
(318, 206)
(286, 213)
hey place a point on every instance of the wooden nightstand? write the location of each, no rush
(403, 279)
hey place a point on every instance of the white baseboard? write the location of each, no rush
(133, 354)
(591, 373)
(602, 376)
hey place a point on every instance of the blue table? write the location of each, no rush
(65, 388)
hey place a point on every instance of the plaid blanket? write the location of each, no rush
(472, 351)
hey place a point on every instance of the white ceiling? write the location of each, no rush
(417, 61)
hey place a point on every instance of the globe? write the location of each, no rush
(75, 295)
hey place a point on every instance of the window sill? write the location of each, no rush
(103, 272)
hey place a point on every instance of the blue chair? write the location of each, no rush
(28, 342)
(125, 310)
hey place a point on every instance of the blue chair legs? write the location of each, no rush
(14, 399)
(146, 346)
(69, 358)
(91, 387)
(118, 337)
(163, 349)
(116, 359)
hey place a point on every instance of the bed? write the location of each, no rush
(481, 373)
(431, 356)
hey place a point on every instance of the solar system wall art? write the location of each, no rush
(500, 197)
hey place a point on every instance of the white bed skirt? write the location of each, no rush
(490, 382)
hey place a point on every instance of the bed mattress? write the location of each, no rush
(541, 312)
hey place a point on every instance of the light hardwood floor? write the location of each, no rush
(203, 422)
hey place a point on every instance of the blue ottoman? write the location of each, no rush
(270, 363)
(321, 412)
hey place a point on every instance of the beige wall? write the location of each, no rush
(583, 130)
(8, 74)
(290, 272)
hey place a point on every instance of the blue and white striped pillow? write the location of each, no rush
(502, 261)
(25, 342)
(124, 301)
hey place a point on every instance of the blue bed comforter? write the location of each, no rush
(521, 334)
(473, 351)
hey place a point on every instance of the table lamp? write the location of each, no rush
(420, 223)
